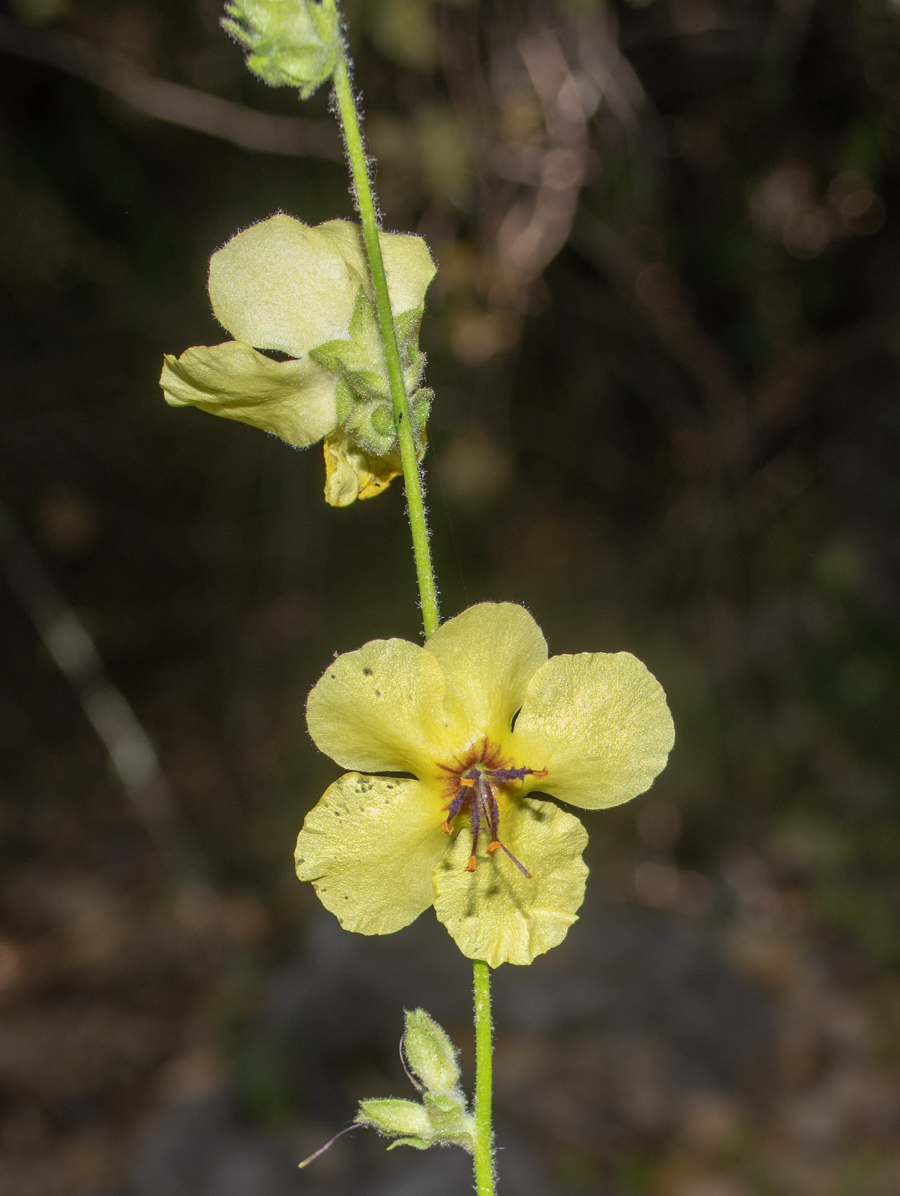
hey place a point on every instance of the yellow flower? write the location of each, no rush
(306, 292)
(481, 718)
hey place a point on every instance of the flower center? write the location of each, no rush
(471, 789)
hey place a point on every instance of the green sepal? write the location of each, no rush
(415, 1143)
(364, 405)
(291, 43)
(383, 419)
(412, 359)
(368, 384)
(360, 427)
(448, 1116)
(420, 407)
(345, 401)
(362, 356)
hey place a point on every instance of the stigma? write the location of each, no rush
(474, 792)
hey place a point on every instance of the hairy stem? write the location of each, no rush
(365, 202)
(484, 1135)
(356, 154)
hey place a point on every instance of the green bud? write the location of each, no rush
(442, 1117)
(393, 1117)
(430, 1053)
(291, 43)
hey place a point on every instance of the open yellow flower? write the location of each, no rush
(481, 718)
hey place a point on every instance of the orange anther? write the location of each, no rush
(540, 774)
(466, 782)
(495, 846)
(446, 828)
(470, 867)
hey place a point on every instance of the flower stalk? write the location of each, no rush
(348, 115)
(484, 1134)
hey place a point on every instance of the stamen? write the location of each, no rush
(517, 863)
(505, 776)
(456, 805)
(476, 793)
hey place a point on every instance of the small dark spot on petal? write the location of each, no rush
(377, 693)
(367, 672)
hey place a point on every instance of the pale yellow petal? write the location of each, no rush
(497, 914)
(488, 654)
(283, 285)
(599, 724)
(351, 473)
(409, 267)
(293, 399)
(370, 847)
(408, 263)
(380, 709)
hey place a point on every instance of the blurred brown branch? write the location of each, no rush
(131, 752)
(174, 103)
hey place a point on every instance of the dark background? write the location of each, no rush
(664, 340)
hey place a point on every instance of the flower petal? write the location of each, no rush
(497, 914)
(293, 399)
(370, 847)
(351, 473)
(380, 709)
(407, 262)
(488, 654)
(599, 723)
(283, 285)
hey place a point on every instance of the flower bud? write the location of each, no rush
(430, 1053)
(291, 43)
(393, 1117)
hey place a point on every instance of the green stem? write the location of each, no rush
(484, 1135)
(350, 123)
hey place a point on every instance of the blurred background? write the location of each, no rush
(664, 340)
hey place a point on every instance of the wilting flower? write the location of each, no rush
(481, 719)
(305, 292)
